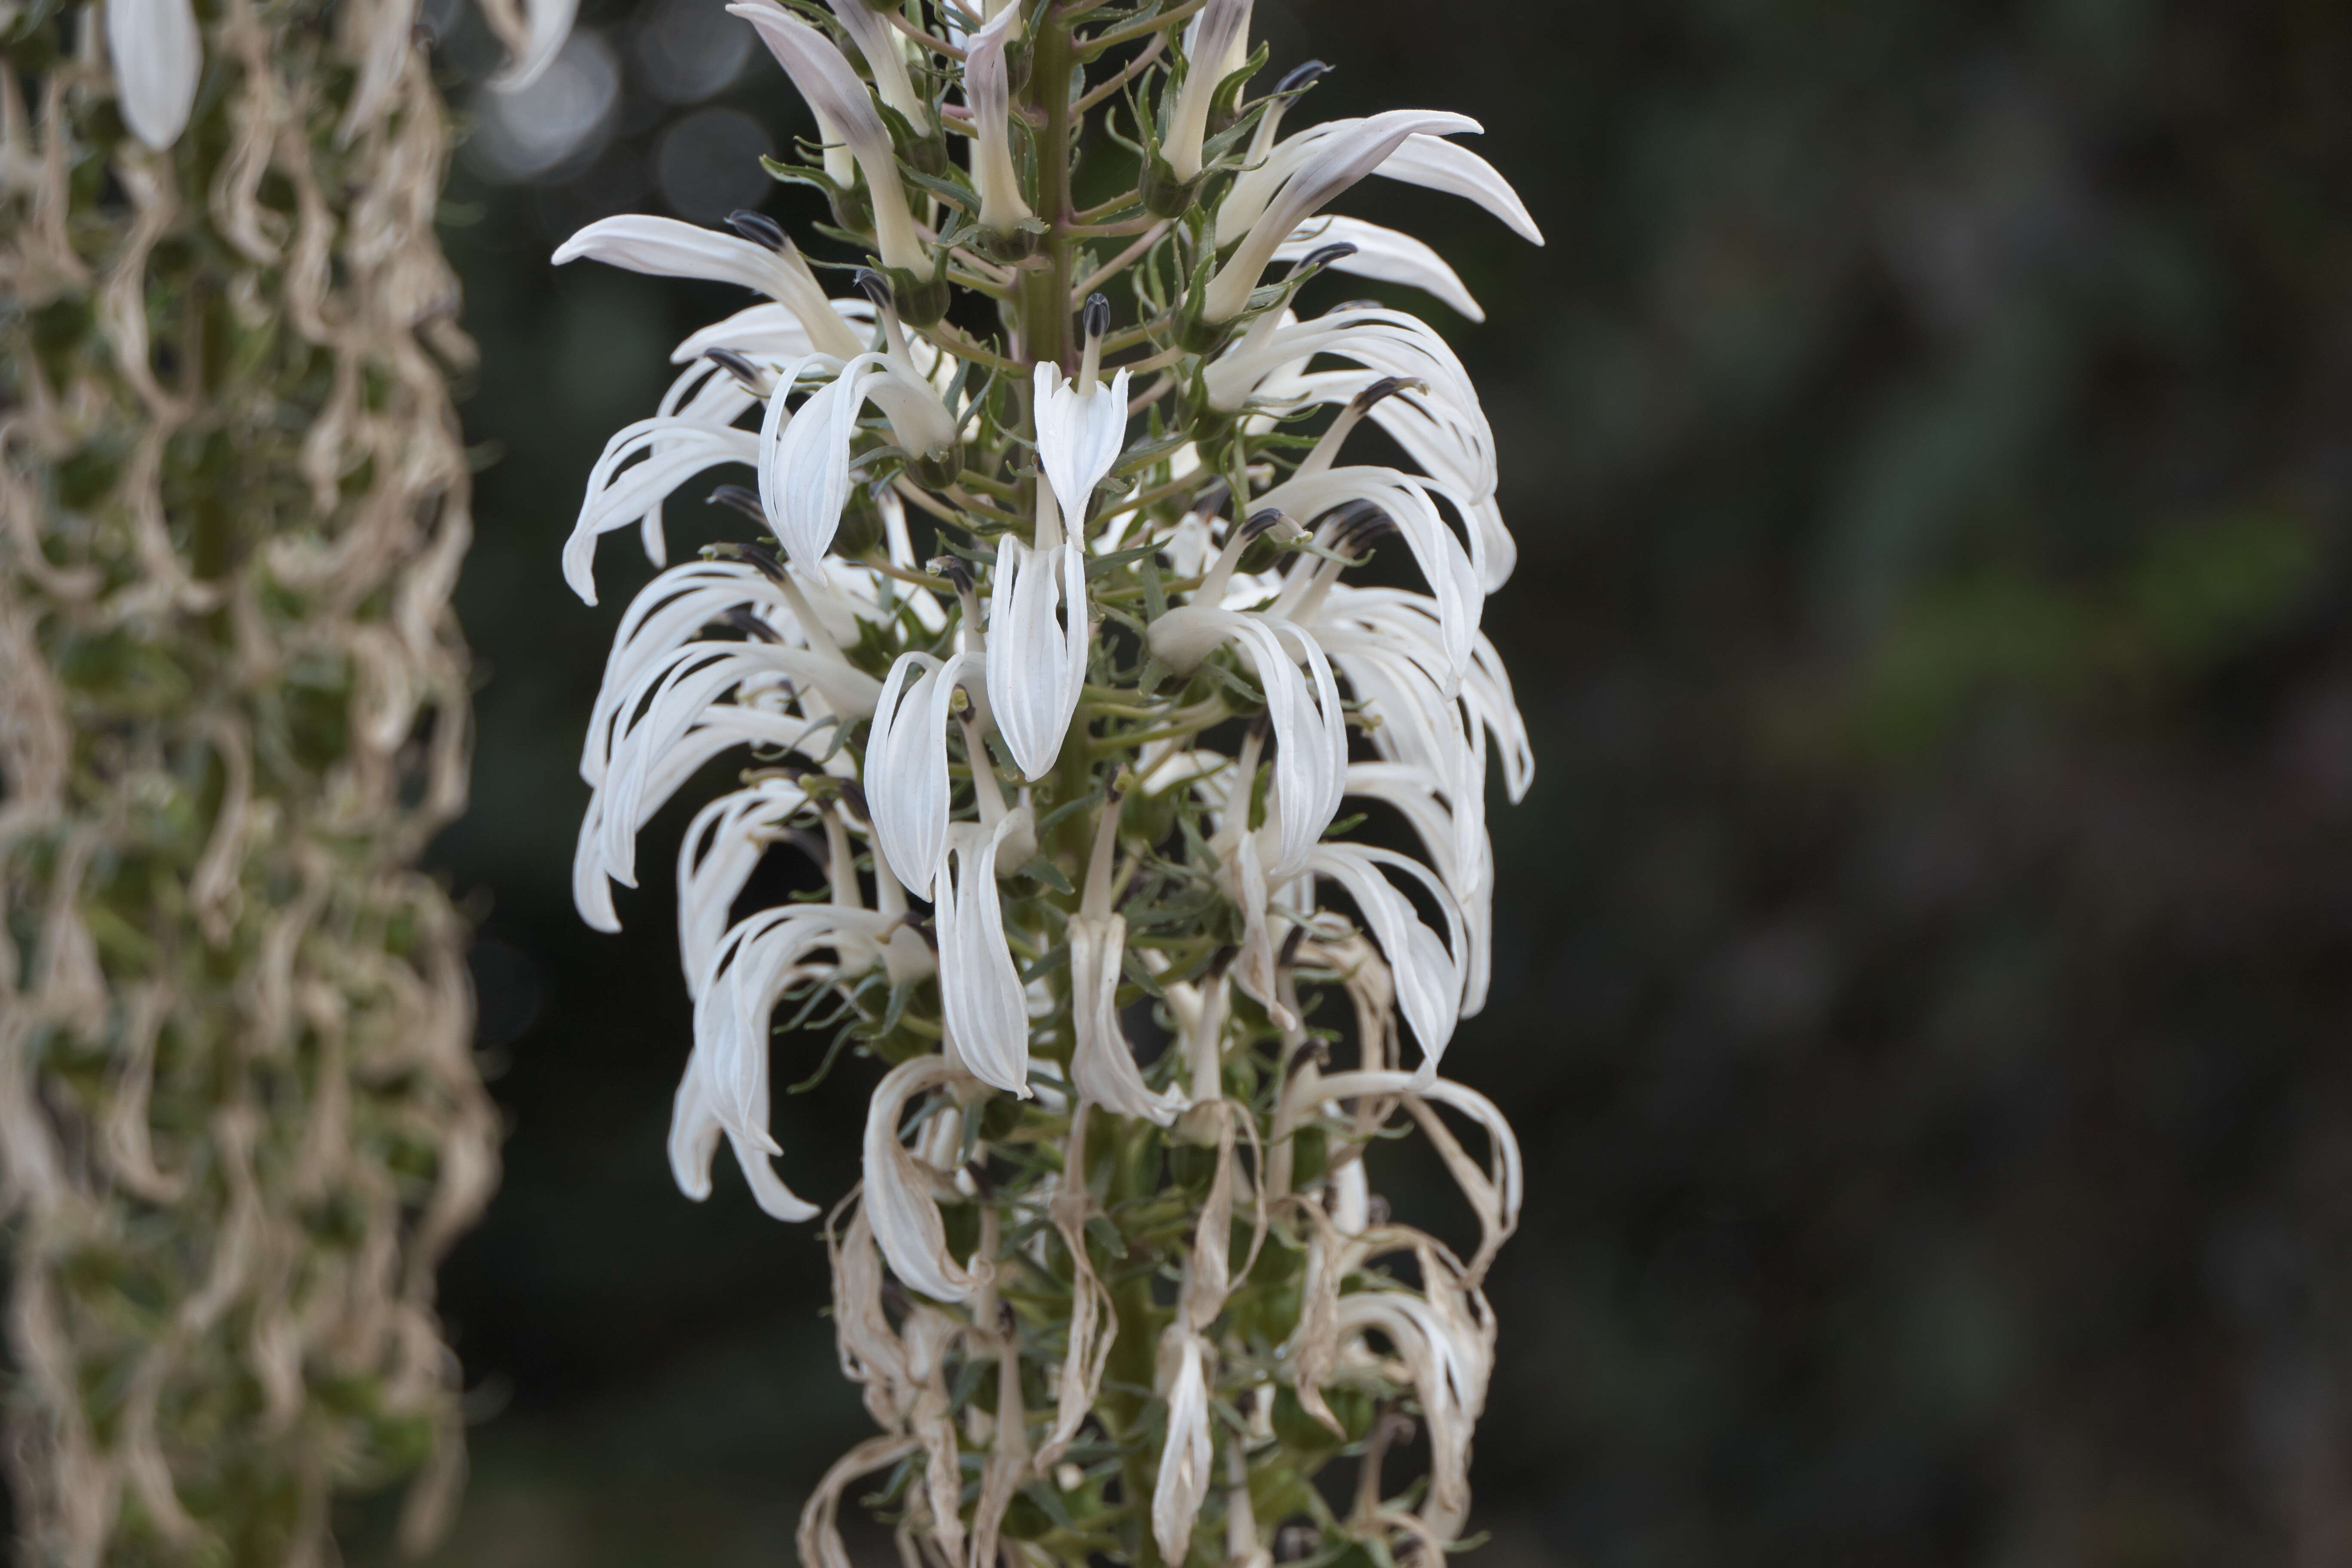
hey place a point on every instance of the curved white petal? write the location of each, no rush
(1079, 435)
(898, 1204)
(1383, 254)
(982, 1002)
(1102, 1065)
(1038, 639)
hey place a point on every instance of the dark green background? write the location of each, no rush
(1923, 959)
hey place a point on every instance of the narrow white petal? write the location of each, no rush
(1038, 650)
(665, 247)
(1182, 1484)
(1102, 1067)
(1443, 165)
(159, 57)
(906, 765)
(982, 1002)
(1383, 254)
(898, 1204)
(805, 483)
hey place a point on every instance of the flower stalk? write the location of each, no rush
(1077, 683)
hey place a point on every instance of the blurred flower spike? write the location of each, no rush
(1042, 647)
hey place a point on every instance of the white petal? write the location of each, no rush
(1429, 977)
(982, 1003)
(159, 57)
(1102, 1066)
(665, 247)
(805, 477)
(621, 493)
(898, 1205)
(1078, 437)
(1441, 165)
(906, 764)
(1383, 254)
(1038, 650)
(1182, 1484)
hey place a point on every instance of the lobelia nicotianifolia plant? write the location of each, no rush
(1041, 643)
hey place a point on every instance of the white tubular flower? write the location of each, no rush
(1210, 44)
(1404, 499)
(804, 459)
(988, 94)
(159, 57)
(1080, 428)
(1310, 732)
(879, 42)
(839, 101)
(1335, 162)
(1187, 1462)
(1102, 1064)
(983, 1004)
(1383, 254)
(1428, 971)
(900, 1206)
(771, 265)
(906, 764)
(1038, 626)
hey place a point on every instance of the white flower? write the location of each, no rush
(1038, 627)
(900, 1206)
(985, 1007)
(1102, 1064)
(989, 96)
(1334, 162)
(907, 764)
(804, 459)
(668, 248)
(1211, 41)
(1310, 730)
(843, 110)
(159, 57)
(879, 42)
(1186, 1461)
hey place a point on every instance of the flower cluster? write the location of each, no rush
(1043, 646)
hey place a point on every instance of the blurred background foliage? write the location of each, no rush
(1924, 957)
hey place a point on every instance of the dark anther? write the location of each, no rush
(953, 569)
(1301, 77)
(1260, 727)
(1214, 500)
(759, 229)
(877, 288)
(1290, 946)
(894, 1297)
(1007, 1324)
(1262, 520)
(750, 626)
(1319, 1053)
(1387, 387)
(736, 365)
(1098, 315)
(746, 501)
(852, 795)
(1325, 256)
(1221, 960)
(981, 1179)
(922, 927)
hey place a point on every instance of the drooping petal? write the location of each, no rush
(1428, 971)
(1038, 649)
(1102, 1066)
(1182, 1485)
(906, 764)
(983, 1004)
(1441, 166)
(899, 1200)
(665, 247)
(159, 57)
